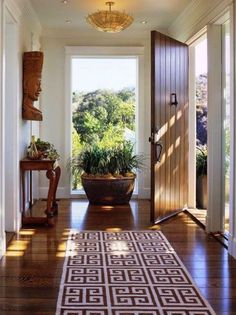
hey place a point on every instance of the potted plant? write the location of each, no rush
(108, 174)
(201, 169)
(40, 149)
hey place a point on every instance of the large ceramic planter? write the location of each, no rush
(108, 191)
(202, 192)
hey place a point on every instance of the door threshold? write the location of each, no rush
(195, 218)
(219, 237)
(169, 216)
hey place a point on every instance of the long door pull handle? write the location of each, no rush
(158, 151)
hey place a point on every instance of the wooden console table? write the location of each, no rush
(53, 174)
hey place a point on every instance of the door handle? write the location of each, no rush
(158, 151)
(157, 144)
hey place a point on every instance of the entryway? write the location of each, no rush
(211, 131)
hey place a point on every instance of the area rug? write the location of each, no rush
(126, 273)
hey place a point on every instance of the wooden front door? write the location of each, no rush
(169, 126)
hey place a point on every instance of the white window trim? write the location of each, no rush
(192, 119)
(214, 130)
(192, 132)
(100, 52)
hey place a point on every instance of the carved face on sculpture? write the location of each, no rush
(33, 88)
(32, 66)
(32, 69)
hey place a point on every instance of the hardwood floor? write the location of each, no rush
(31, 270)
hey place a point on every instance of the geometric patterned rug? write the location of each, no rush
(126, 273)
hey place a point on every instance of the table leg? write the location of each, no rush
(57, 171)
(51, 175)
(31, 192)
(23, 192)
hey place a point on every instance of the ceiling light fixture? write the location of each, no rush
(110, 21)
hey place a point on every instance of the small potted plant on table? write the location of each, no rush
(40, 149)
(108, 175)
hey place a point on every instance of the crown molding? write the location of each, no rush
(14, 9)
(197, 15)
(19, 9)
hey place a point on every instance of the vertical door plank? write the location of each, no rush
(177, 130)
(172, 127)
(168, 138)
(186, 130)
(182, 127)
(163, 127)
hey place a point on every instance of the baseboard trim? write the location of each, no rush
(2, 245)
(232, 246)
(144, 193)
(62, 192)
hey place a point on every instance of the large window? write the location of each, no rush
(103, 104)
(201, 121)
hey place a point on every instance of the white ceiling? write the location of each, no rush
(158, 13)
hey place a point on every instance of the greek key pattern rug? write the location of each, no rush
(126, 273)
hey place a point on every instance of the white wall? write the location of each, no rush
(29, 33)
(53, 98)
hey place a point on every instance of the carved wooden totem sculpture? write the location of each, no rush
(32, 69)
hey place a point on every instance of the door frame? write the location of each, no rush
(192, 117)
(214, 218)
(7, 7)
(103, 52)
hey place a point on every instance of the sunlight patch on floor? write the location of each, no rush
(113, 230)
(27, 232)
(67, 253)
(107, 208)
(62, 246)
(16, 245)
(14, 253)
(154, 227)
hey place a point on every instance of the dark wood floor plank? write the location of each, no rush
(26, 304)
(22, 292)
